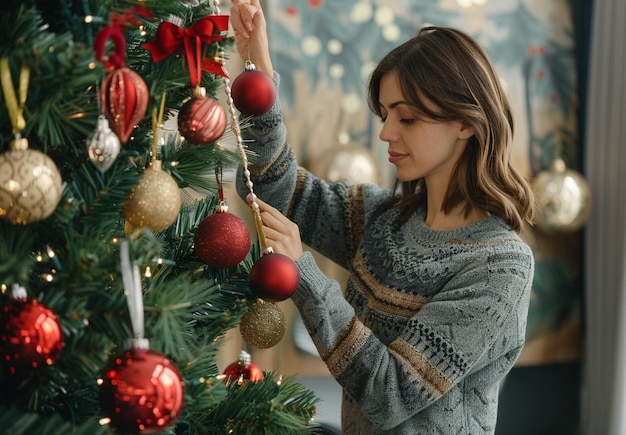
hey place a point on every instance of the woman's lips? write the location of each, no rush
(396, 157)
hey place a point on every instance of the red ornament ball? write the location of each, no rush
(274, 277)
(202, 120)
(142, 392)
(124, 97)
(253, 93)
(242, 371)
(30, 335)
(222, 240)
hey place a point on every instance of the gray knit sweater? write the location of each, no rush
(430, 322)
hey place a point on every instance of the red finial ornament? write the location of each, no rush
(123, 95)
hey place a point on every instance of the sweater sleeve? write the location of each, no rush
(323, 211)
(478, 319)
(273, 166)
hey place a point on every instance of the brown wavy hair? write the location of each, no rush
(451, 70)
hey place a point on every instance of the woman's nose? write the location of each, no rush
(386, 132)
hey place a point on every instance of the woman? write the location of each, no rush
(434, 313)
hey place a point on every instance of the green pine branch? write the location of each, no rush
(70, 261)
(270, 406)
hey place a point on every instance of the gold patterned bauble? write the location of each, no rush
(263, 326)
(563, 199)
(30, 184)
(155, 202)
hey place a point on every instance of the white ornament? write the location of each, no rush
(104, 145)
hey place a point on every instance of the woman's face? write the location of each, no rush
(419, 147)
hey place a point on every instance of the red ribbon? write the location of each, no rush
(128, 17)
(170, 39)
(114, 31)
(117, 59)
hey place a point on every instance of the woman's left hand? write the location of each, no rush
(281, 234)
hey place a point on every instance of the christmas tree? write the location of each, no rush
(121, 268)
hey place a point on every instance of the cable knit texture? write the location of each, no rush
(430, 322)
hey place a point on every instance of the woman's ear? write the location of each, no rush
(465, 131)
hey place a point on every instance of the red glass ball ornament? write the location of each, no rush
(30, 335)
(202, 120)
(253, 93)
(243, 370)
(274, 277)
(124, 97)
(141, 392)
(222, 240)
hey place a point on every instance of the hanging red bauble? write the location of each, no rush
(30, 335)
(124, 97)
(274, 277)
(253, 92)
(202, 119)
(222, 240)
(141, 392)
(242, 370)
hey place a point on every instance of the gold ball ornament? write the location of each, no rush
(30, 184)
(263, 326)
(155, 202)
(563, 199)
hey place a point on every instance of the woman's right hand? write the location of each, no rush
(281, 234)
(248, 23)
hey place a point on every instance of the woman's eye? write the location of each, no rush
(407, 120)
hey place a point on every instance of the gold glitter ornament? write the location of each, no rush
(263, 326)
(155, 202)
(30, 184)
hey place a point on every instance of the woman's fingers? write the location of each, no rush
(270, 216)
(242, 17)
(280, 232)
(249, 25)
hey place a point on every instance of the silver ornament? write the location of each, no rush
(353, 164)
(104, 145)
(563, 198)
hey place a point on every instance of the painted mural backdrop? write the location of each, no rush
(324, 51)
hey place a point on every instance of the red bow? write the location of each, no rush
(170, 39)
